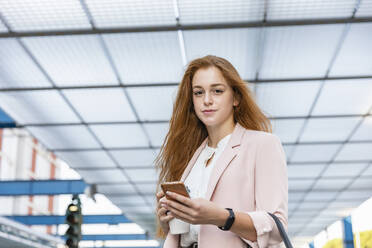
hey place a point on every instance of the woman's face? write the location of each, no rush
(213, 98)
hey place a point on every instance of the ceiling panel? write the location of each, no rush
(64, 137)
(120, 135)
(134, 158)
(287, 47)
(287, 99)
(301, 215)
(304, 171)
(147, 188)
(111, 104)
(362, 183)
(329, 212)
(320, 196)
(361, 151)
(72, 60)
(152, 200)
(346, 170)
(324, 221)
(294, 227)
(37, 107)
(329, 129)
(341, 207)
(153, 103)
(151, 57)
(157, 132)
(305, 152)
(365, 9)
(142, 175)
(368, 171)
(344, 97)
(287, 130)
(117, 13)
(305, 9)
(103, 176)
(238, 46)
(350, 194)
(217, 11)
(44, 15)
(306, 205)
(288, 150)
(17, 69)
(299, 184)
(86, 159)
(116, 189)
(354, 56)
(295, 196)
(332, 184)
(364, 131)
(309, 231)
(292, 206)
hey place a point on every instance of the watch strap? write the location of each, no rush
(230, 220)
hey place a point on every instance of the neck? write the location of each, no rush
(216, 133)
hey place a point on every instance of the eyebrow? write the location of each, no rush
(213, 85)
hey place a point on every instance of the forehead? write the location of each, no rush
(205, 77)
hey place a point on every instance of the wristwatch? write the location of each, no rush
(230, 220)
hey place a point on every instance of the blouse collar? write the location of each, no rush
(222, 143)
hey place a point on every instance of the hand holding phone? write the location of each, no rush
(177, 187)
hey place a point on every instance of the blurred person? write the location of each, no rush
(220, 145)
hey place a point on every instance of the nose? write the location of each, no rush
(207, 99)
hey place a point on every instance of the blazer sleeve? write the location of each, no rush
(271, 192)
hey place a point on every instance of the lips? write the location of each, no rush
(208, 111)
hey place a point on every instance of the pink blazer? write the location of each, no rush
(250, 176)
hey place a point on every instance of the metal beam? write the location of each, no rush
(267, 23)
(60, 219)
(41, 187)
(93, 237)
(313, 143)
(167, 84)
(127, 247)
(167, 121)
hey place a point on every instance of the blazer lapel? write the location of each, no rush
(225, 159)
(193, 160)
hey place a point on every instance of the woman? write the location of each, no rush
(220, 145)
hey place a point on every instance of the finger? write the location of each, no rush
(180, 215)
(162, 211)
(166, 218)
(159, 195)
(160, 202)
(163, 199)
(184, 200)
(178, 206)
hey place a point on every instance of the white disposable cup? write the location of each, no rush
(178, 226)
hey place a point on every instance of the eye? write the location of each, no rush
(197, 93)
(218, 91)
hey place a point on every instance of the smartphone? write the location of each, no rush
(177, 187)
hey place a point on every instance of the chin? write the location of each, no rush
(209, 123)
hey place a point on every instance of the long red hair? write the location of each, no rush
(187, 132)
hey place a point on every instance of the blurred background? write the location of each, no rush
(86, 93)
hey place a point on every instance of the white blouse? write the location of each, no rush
(197, 182)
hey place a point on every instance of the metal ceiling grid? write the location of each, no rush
(111, 175)
(74, 78)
